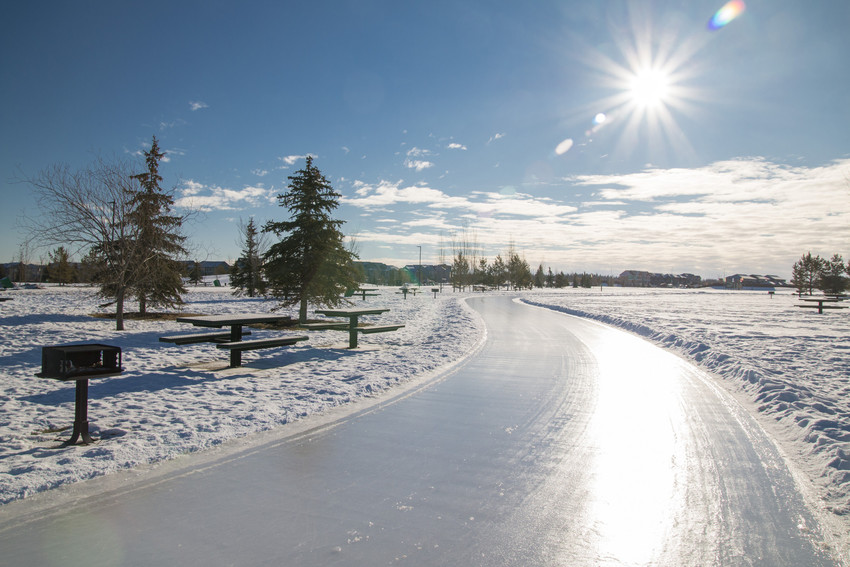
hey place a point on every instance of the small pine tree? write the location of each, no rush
(60, 269)
(246, 274)
(311, 262)
(158, 277)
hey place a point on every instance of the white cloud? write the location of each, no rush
(290, 160)
(497, 136)
(418, 152)
(207, 198)
(417, 164)
(197, 105)
(260, 172)
(747, 215)
(456, 146)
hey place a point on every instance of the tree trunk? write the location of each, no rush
(142, 304)
(119, 310)
(302, 310)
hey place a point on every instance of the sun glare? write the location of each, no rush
(649, 81)
(649, 88)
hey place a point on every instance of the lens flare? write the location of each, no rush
(599, 119)
(726, 14)
(564, 146)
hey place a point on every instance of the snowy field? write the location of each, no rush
(790, 366)
(172, 400)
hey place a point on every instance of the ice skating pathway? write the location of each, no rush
(560, 442)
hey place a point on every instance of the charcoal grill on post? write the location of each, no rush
(79, 363)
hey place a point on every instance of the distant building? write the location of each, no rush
(635, 278)
(208, 268)
(753, 281)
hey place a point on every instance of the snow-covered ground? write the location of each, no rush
(171, 400)
(790, 366)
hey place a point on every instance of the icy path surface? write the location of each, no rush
(791, 366)
(559, 442)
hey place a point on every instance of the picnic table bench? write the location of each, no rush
(200, 338)
(352, 326)
(820, 303)
(232, 341)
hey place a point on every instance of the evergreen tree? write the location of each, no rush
(158, 277)
(539, 277)
(499, 271)
(196, 274)
(460, 271)
(831, 279)
(806, 273)
(246, 274)
(60, 269)
(519, 272)
(311, 262)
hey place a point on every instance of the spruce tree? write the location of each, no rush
(246, 274)
(832, 278)
(60, 269)
(158, 277)
(311, 262)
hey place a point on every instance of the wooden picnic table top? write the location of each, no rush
(350, 312)
(230, 319)
(822, 299)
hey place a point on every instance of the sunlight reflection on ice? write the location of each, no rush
(635, 429)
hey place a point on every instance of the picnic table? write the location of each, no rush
(235, 344)
(820, 303)
(353, 328)
(405, 290)
(364, 292)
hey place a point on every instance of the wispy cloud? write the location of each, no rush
(418, 152)
(747, 215)
(497, 136)
(289, 161)
(197, 105)
(206, 198)
(417, 164)
(456, 146)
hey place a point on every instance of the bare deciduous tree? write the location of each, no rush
(88, 210)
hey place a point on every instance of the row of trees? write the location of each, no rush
(122, 222)
(828, 275)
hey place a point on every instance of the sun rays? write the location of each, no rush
(648, 78)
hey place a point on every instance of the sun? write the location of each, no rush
(649, 88)
(650, 77)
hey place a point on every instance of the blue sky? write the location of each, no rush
(598, 136)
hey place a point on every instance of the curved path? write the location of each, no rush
(560, 442)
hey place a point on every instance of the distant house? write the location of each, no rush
(754, 281)
(208, 268)
(635, 278)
